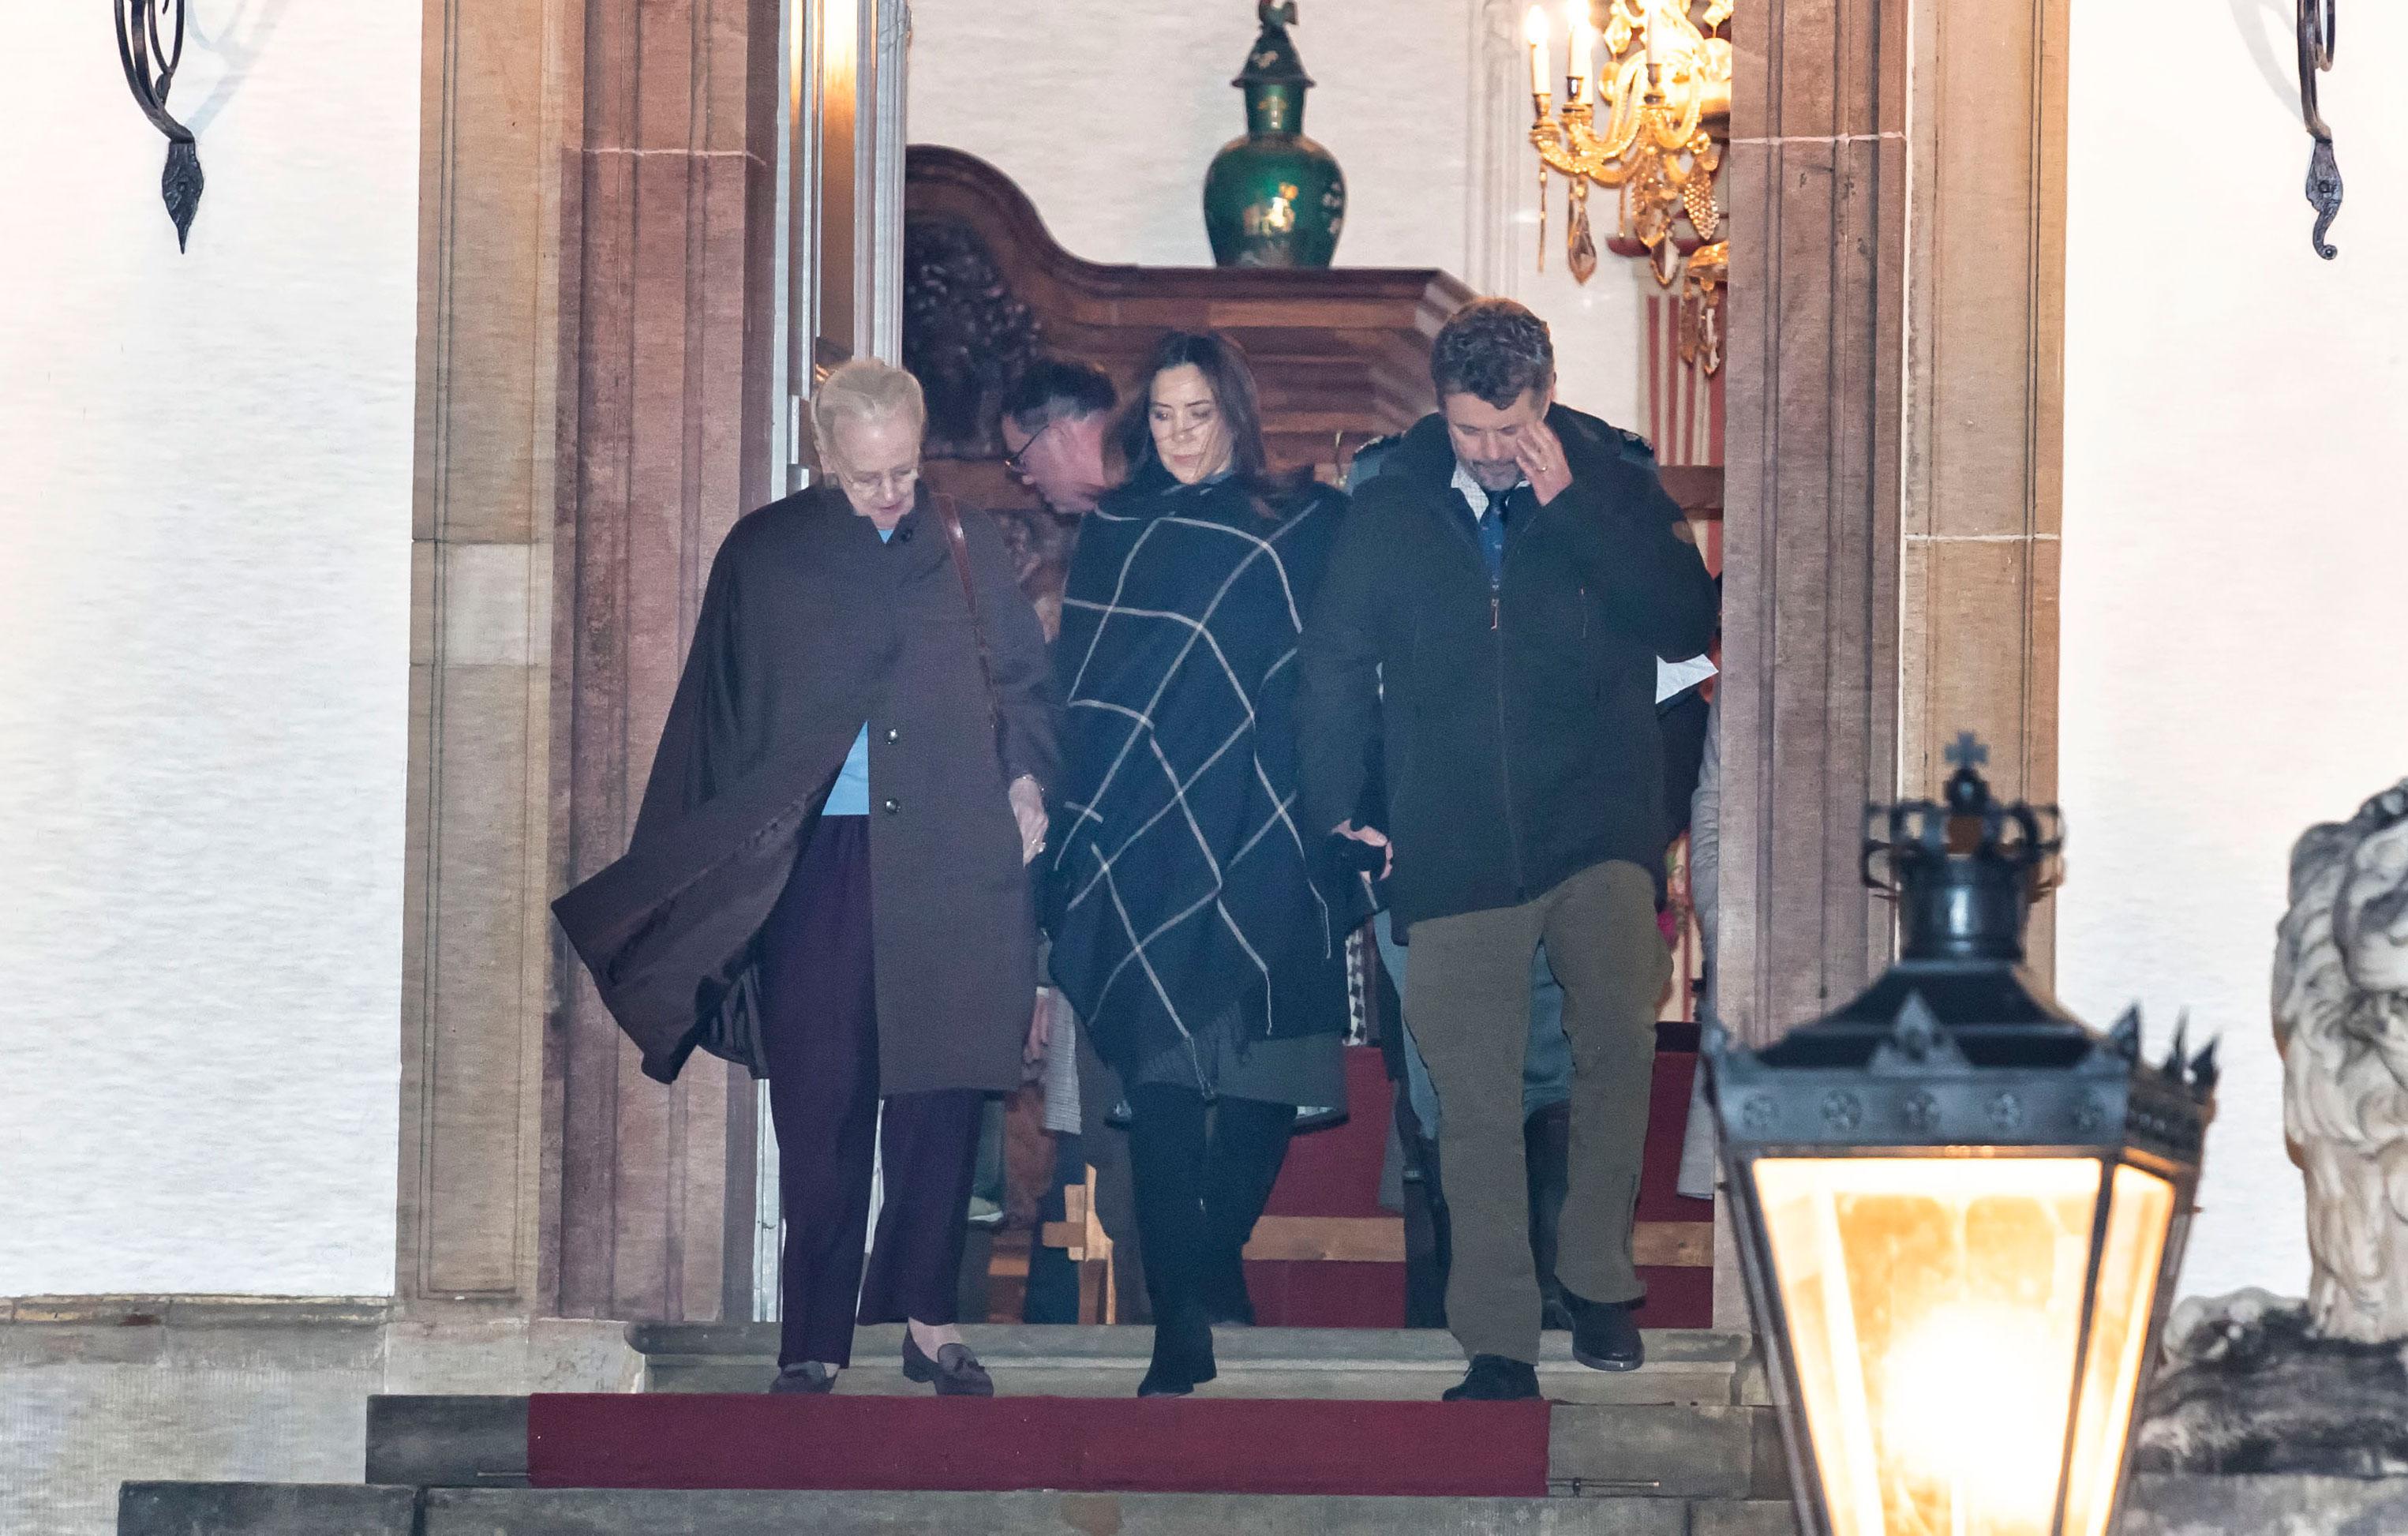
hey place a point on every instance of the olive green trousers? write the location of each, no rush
(1468, 1002)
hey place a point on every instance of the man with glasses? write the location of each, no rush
(1056, 425)
(1057, 417)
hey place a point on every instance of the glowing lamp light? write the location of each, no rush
(1960, 1211)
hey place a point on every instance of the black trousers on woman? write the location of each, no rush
(819, 1029)
(1202, 1174)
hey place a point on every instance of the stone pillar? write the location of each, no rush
(666, 300)
(502, 87)
(1818, 214)
(1894, 446)
(1985, 400)
(1898, 209)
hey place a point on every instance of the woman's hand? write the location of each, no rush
(1040, 1029)
(1028, 809)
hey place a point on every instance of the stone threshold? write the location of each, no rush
(195, 1311)
(1684, 1367)
(1401, 1348)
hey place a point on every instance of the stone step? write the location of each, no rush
(1654, 1451)
(1683, 1366)
(2177, 1504)
(222, 1508)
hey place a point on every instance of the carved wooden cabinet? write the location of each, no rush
(1341, 354)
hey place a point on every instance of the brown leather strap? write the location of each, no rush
(958, 546)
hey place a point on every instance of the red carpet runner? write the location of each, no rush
(955, 1444)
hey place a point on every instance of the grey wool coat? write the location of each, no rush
(809, 627)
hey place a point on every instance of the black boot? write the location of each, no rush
(1183, 1355)
(1249, 1140)
(1227, 1303)
(1167, 1160)
(1429, 1238)
(1546, 1147)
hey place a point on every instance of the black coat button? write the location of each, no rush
(892, 806)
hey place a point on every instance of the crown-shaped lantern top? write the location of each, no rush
(1966, 870)
(1956, 1042)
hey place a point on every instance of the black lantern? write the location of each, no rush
(1960, 1210)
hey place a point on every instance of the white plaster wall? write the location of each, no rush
(2235, 549)
(1107, 114)
(204, 502)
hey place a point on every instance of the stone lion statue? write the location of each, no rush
(2341, 1021)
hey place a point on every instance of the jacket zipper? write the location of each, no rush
(1504, 745)
(1513, 819)
(1504, 753)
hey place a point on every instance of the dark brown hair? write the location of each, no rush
(1494, 349)
(1231, 381)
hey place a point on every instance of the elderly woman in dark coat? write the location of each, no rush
(1197, 933)
(827, 878)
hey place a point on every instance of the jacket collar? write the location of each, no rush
(1428, 454)
(828, 498)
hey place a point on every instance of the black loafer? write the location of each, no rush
(810, 1379)
(1603, 1336)
(955, 1370)
(1495, 1378)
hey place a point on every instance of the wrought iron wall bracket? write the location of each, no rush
(2324, 171)
(150, 73)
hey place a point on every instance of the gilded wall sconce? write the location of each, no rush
(1645, 111)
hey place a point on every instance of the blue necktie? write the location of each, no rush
(1492, 535)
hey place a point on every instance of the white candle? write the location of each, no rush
(1575, 33)
(1653, 22)
(1534, 27)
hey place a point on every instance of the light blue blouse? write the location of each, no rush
(851, 796)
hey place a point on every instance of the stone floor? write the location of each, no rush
(96, 1392)
(1682, 1447)
(268, 1419)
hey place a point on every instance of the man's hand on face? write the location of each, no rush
(1540, 454)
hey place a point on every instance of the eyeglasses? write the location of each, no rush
(1016, 462)
(890, 482)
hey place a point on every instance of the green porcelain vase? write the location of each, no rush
(1274, 198)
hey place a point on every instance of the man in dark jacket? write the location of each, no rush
(1494, 613)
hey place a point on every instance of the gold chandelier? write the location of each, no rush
(1646, 110)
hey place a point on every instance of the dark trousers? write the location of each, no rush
(818, 1026)
(1052, 1294)
(1203, 1173)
